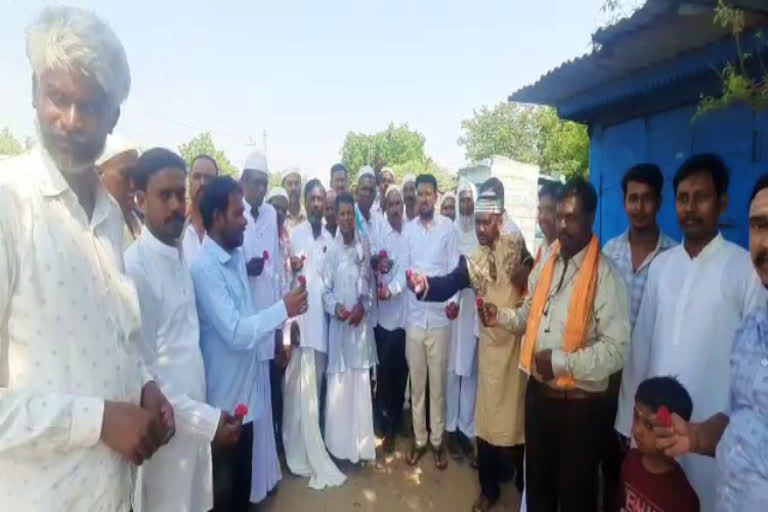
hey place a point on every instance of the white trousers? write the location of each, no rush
(349, 416)
(265, 466)
(460, 396)
(427, 353)
(305, 452)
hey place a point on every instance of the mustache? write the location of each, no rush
(692, 218)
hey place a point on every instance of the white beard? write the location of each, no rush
(66, 164)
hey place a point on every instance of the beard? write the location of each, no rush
(72, 154)
(467, 222)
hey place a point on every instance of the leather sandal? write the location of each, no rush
(440, 456)
(415, 454)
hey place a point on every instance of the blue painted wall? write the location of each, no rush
(738, 134)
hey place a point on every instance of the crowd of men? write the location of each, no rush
(197, 339)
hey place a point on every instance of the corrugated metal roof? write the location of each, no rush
(657, 32)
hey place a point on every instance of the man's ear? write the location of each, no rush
(723, 204)
(141, 198)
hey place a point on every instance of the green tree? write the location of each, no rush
(9, 145)
(529, 134)
(203, 144)
(395, 146)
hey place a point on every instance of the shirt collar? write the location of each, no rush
(215, 250)
(52, 183)
(154, 244)
(709, 249)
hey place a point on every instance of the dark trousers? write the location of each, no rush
(563, 439)
(276, 375)
(232, 474)
(391, 378)
(495, 464)
(612, 451)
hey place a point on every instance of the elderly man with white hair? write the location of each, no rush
(116, 165)
(409, 197)
(291, 182)
(78, 408)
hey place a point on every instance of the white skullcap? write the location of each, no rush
(366, 170)
(114, 146)
(466, 186)
(409, 178)
(256, 161)
(389, 171)
(71, 38)
(392, 188)
(292, 170)
(277, 192)
(447, 195)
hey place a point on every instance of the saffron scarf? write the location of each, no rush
(579, 309)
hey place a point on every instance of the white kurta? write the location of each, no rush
(260, 236)
(305, 452)
(351, 353)
(392, 312)
(686, 323)
(179, 476)
(69, 340)
(190, 244)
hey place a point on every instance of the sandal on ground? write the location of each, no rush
(441, 457)
(415, 454)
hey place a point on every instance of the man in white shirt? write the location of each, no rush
(386, 178)
(432, 250)
(305, 451)
(409, 197)
(392, 376)
(330, 212)
(77, 407)
(697, 295)
(339, 178)
(179, 477)
(347, 297)
(202, 169)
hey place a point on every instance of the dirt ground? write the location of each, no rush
(389, 484)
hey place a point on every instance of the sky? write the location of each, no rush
(308, 72)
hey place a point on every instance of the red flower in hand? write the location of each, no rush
(383, 254)
(265, 255)
(664, 416)
(409, 274)
(241, 411)
(302, 281)
(479, 302)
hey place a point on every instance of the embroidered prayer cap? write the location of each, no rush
(409, 178)
(116, 145)
(392, 188)
(292, 171)
(366, 170)
(489, 202)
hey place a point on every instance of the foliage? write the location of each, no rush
(9, 145)
(399, 148)
(203, 144)
(738, 86)
(529, 134)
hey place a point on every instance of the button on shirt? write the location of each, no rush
(742, 454)
(620, 251)
(392, 312)
(179, 476)
(231, 330)
(607, 333)
(69, 340)
(432, 251)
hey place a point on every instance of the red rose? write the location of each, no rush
(479, 302)
(241, 411)
(302, 281)
(664, 416)
(383, 254)
(409, 274)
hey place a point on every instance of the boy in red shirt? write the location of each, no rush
(651, 481)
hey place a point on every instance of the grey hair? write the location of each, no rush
(75, 39)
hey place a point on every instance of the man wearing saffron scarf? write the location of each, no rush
(497, 270)
(576, 325)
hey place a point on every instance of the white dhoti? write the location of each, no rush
(349, 416)
(265, 466)
(305, 452)
(460, 395)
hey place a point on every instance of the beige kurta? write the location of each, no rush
(499, 416)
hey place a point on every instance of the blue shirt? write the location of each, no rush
(742, 454)
(231, 330)
(619, 250)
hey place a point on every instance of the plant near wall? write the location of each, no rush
(738, 85)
